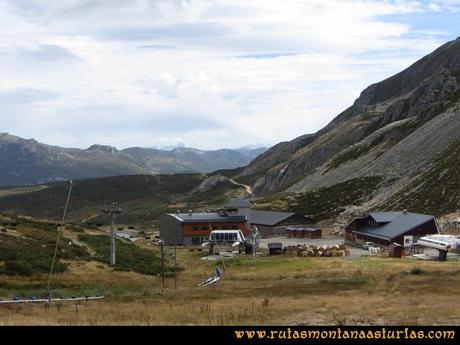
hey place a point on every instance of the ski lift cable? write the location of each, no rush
(58, 238)
(48, 300)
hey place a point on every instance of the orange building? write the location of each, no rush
(194, 228)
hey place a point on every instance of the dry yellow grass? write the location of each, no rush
(273, 290)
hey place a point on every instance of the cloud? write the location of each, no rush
(178, 31)
(211, 74)
(272, 55)
(42, 53)
(24, 96)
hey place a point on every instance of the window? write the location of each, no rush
(204, 228)
(195, 228)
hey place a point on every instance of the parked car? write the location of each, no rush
(367, 245)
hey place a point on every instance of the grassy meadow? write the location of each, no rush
(286, 290)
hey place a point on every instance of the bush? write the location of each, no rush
(129, 256)
(416, 270)
(20, 267)
(33, 252)
(75, 228)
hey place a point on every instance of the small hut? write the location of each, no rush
(275, 248)
(396, 250)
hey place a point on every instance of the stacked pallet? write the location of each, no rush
(319, 251)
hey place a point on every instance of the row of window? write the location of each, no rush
(224, 236)
(223, 227)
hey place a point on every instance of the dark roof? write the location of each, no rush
(204, 217)
(262, 217)
(384, 217)
(238, 203)
(394, 224)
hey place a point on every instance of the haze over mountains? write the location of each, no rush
(26, 161)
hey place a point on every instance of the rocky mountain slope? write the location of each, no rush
(396, 130)
(25, 161)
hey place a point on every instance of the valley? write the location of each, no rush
(397, 148)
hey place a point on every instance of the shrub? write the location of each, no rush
(20, 267)
(416, 270)
(75, 228)
(129, 256)
(32, 253)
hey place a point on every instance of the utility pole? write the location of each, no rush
(161, 244)
(113, 210)
(255, 239)
(175, 267)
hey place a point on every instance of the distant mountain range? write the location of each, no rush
(26, 161)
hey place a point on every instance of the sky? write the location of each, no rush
(205, 73)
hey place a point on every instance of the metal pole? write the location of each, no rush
(112, 210)
(175, 267)
(112, 241)
(255, 241)
(162, 263)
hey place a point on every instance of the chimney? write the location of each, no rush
(190, 212)
(405, 211)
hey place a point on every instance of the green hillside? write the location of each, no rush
(26, 247)
(436, 191)
(323, 203)
(143, 198)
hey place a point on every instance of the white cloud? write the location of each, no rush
(220, 73)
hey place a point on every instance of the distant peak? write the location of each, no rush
(13, 138)
(7, 135)
(102, 149)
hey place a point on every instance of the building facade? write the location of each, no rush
(194, 228)
(384, 228)
(269, 223)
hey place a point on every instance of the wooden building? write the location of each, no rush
(384, 228)
(396, 250)
(276, 223)
(194, 228)
(303, 232)
(275, 248)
